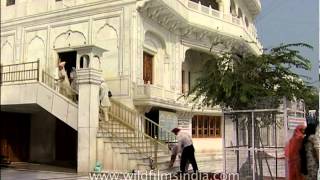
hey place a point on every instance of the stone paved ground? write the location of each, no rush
(17, 174)
(31, 171)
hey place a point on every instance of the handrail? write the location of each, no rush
(30, 71)
(137, 140)
(137, 131)
(49, 80)
(149, 126)
(53, 83)
(20, 72)
(23, 63)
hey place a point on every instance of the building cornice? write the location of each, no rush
(178, 22)
(59, 15)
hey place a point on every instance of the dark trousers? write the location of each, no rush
(188, 156)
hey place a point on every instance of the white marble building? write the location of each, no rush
(148, 51)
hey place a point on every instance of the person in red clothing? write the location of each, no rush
(292, 154)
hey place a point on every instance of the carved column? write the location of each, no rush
(89, 81)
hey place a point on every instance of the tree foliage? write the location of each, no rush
(311, 99)
(249, 81)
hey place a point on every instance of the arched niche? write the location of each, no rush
(84, 61)
(69, 38)
(97, 62)
(154, 40)
(6, 53)
(155, 46)
(89, 56)
(192, 67)
(107, 37)
(36, 50)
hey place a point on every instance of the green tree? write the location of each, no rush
(311, 99)
(249, 81)
(242, 80)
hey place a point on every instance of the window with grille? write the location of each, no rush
(10, 2)
(206, 126)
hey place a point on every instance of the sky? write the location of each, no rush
(291, 21)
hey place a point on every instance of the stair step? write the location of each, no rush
(121, 135)
(160, 165)
(117, 131)
(146, 159)
(132, 146)
(121, 140)
(159, 153)
(124, 142)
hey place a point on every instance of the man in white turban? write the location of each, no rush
(63, 81)
(104, 95)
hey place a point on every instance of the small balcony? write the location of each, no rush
(189, 16)
(151, 95)
(150, 91)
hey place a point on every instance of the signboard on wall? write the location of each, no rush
(168, 121)
(184, 123)
(293, 122)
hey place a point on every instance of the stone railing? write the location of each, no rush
(139, 132)
(30, 72)
(249, 30)
(152, 91)
(218, 14)
(203, 9)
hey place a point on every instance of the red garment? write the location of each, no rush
(292, 153)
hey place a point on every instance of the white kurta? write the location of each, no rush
(64, 84)
(104, 101)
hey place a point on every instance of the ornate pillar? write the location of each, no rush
(89, 81)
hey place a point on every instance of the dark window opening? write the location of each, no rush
(10, 2)
(150, 128)
(70, 59)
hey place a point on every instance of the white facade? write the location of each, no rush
(179, 34)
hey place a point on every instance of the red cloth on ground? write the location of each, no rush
(292, 153)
